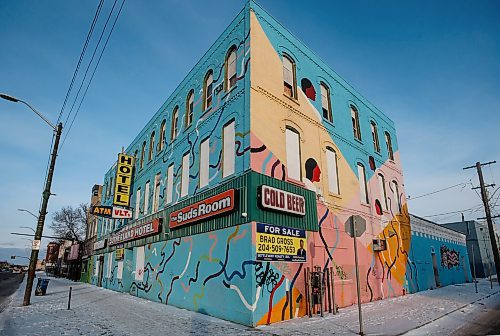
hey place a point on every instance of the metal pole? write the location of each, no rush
(41, 219)
(474, 267)
(357, 282)
(484, 196)
(69, 298)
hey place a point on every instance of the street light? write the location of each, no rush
(31, 213)
(45, 198)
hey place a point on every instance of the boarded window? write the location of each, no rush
(139, 263)
(151, 146)
(363, 191)
(185, 175)
(142, 154)
(383, 194)
(175, 118)
(161, 142)
(331, 163)
(110, 265)
(170, 183)
(146, 198)
(137, 203)
(204, 162)
(156, 193)
(395, 193)
(189, 108)
(293, 154)
(119, 271)
(228, 156)
(208, 90)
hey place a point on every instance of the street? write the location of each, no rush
(9, 282)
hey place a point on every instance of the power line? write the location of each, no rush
(82, 54)
(472, 209)
(463, 184)
(90, 63)
(93, 73)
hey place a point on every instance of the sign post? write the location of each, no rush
(355, 227)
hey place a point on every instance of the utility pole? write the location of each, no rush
(41, 218)
(484, 197)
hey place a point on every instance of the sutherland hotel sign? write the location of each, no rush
(135, 232)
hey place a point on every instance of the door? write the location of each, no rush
(99, 276)
(435, 267)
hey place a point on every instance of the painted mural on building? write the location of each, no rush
(259, 104)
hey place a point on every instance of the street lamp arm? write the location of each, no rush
(31, 213)
(17, 100)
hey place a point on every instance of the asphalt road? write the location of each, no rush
(9, 283)
(487, 323)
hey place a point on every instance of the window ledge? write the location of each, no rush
(328, 122)
(292, 99)
(335, 195)
(359, 141)
(366, 205)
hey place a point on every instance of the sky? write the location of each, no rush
(431, 66)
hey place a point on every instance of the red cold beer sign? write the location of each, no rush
(283, 201)
(210, 207)
(135, 232)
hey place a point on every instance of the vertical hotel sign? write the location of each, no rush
(123, 180)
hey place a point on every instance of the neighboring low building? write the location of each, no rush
(438, 256)
(51, 257)
(478, 246)
(87, 249)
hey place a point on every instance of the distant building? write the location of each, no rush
(438, 256)
(478, 246)
(87, 247)
(51, 257)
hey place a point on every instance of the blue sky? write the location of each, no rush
(431, 66)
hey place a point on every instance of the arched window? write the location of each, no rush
(136, 158)
(376, 145)
(388, 143)
(331, 165)
(189, 108)
(161, 142)
(231, 68)
(355, 123)
(383, 194)
(325, 102)
(292, 141)
(289, 78)
(142, 155)
(208, 90)
(363, 188)
(151, 146)
(175, 117)
(395, 194)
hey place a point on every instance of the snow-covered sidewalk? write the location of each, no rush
(97, 311)
(433, 312)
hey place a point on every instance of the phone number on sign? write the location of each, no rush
(275, 248)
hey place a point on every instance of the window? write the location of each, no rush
(137, 203)
(189, 108)
(292, 139)
(363, 191)
(231, 68)
(331, 165)
(228, 155)
(161, 142)
(136, 156)
(383, 194)
(395, 193)
(139, 263)
(151, 146)
(141, 164)
(388, 143)
(208, 90)
(111, 185)
(289, 79)
(325, 102)
(376, 145)
(110, 264)
(175, 117)
(185, 175)
(170, 183)
(146, 199)
(355, 123)
(204, 162)
(156, 193)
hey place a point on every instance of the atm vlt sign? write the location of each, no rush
(123, 179)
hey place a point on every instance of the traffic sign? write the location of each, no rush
(355, 226)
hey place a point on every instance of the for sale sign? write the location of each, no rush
(280, 243)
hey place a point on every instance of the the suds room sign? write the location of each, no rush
(123, 180)
(213, 206)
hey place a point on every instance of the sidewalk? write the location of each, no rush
(97, 311)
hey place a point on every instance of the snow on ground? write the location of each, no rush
(97, 311)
